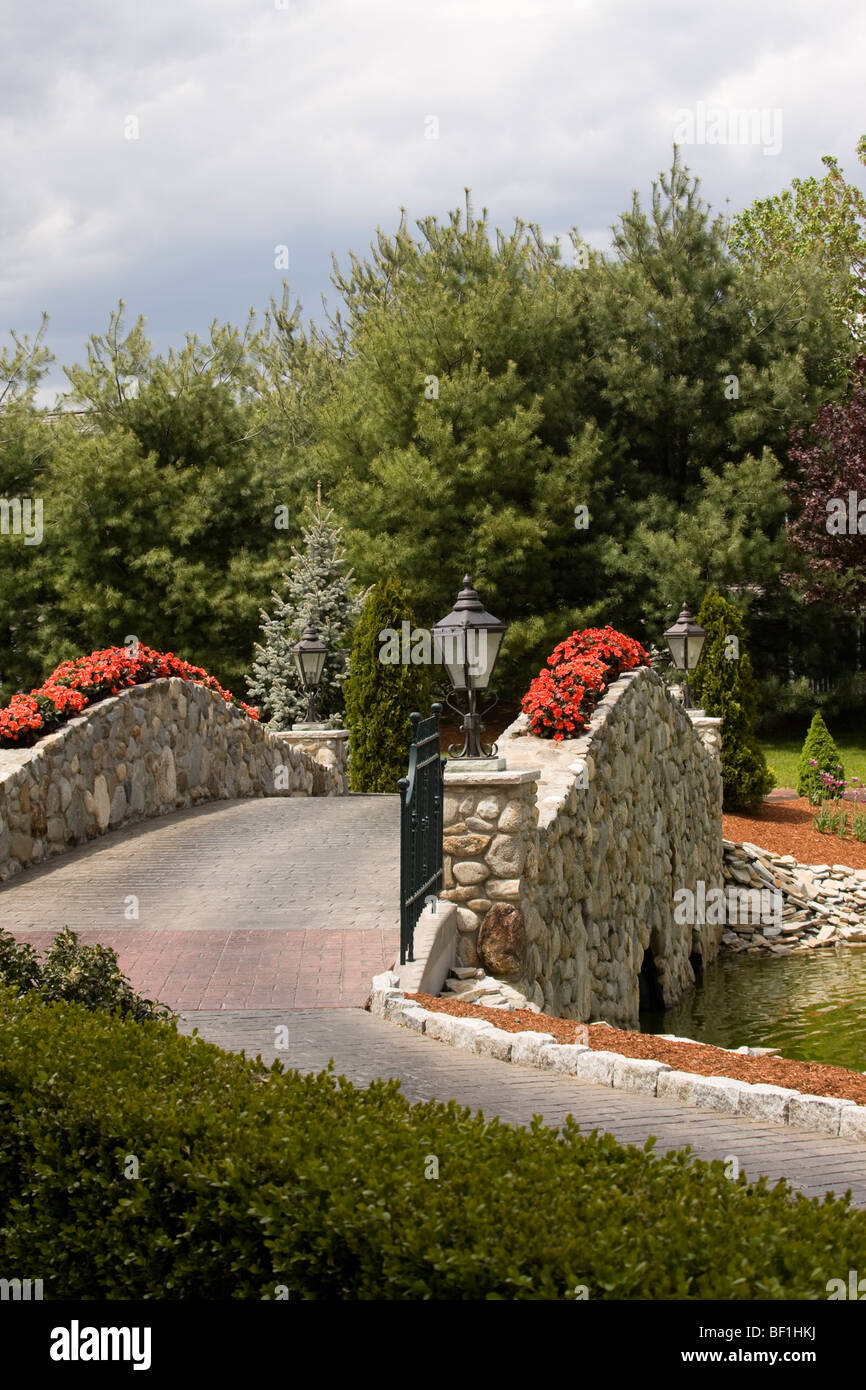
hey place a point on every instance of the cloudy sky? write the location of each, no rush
(159, 152)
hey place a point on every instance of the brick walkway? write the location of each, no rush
(365, 1047)
(284, 902)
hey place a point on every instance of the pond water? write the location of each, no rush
(812, 1007)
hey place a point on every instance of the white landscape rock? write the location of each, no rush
(719, 1093)
(639, 1074)
(678, 1086)
(852, 1123)
(494, 1042)
(387, 980)
(386, 994)
(822, 905)
(643, 1076)
(767, 1102)
(393, 1003)
(465, 1031)
(597, 1067)
(546, 1057)
(526, 1047)
(564, 1058)
(818, 1112)
(413, 1017)
(441, 1027)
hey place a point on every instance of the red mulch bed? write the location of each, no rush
(812, 1078)
(785, 827)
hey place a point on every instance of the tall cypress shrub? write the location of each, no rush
(724, 685)
(380, 695)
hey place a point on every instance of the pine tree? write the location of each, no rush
(319, 593)
(820, 746)
(380, 696)
(724, 684)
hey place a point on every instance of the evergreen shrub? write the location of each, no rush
(380, 695)
(82, 974)
(724, 685)
(818, 747)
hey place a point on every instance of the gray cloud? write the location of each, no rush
(305, 126)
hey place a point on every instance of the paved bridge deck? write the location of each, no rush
(283, 902)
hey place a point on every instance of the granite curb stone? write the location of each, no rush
(644, 1076)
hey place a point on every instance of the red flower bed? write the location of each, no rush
(560, 700)
(76, 684)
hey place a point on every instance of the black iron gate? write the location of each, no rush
(420, 826)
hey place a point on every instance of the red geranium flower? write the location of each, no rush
(78, 683)
(566, 691)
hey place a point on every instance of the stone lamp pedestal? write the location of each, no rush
(330, 747)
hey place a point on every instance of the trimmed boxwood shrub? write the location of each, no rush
(253, 1180)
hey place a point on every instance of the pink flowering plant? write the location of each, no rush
(834, 821)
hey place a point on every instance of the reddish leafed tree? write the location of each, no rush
(829, 532)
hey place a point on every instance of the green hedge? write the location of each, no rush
(251, 1178)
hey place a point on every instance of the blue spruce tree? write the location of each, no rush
(319, 593)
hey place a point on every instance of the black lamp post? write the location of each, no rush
(309, 656)
(686, 642)
(467, 641)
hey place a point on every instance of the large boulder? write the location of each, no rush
(502, 940)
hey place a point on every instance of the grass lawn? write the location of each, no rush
(783, 755)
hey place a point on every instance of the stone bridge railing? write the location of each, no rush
(150, 750)
(564, 867)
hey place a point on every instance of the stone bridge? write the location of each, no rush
(263, 912)
(215, 857)
(581, 845)
(564, 868)
(150, 750)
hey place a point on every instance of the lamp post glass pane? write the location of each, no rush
(483, 653)
(466, 642)
(686, 641)
(310, 654)
(468, 655)
(696, 646)
(310, 666)
(449, 648)
(677, 646)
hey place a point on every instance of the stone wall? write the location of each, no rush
(564, 867)
(152, 749)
